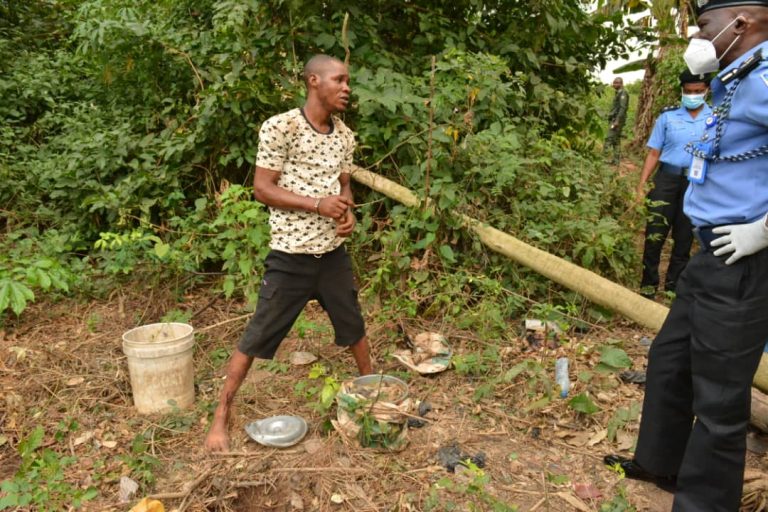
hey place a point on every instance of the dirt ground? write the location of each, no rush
(62, 367)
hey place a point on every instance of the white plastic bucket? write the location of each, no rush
(160, 366)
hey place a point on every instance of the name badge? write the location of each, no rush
(697, 171)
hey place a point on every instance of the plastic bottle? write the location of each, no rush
(561, 376)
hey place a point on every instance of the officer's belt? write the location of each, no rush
(705, 236)
(673, 169)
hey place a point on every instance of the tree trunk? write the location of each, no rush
(758, 416)
(647, 102)
(644, 117)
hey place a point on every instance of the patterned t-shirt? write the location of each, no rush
(309, 163)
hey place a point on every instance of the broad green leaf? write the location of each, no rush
(19, 296)
(447, 253)
(615, 358)
(228, 286)
(513, 372)
(317, 370)
(325, 40)
(538, 404)
(328, 394)
(5, 294)
(583, 404)
(162, 249)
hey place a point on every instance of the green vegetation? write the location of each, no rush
(39, 482)
(129, 133)
(470, 493)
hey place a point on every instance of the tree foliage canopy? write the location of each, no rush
(123, 121)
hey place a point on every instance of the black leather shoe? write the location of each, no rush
(633, 470)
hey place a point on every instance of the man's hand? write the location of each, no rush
(640, 193)
(741, 239)
(334, 206)
(346, 224)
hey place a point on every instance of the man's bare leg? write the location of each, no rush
(217, 439)
(362, 356)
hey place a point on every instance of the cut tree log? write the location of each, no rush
(597, 289)
(758, 416)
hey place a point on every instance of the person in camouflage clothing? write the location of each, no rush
(616, 120)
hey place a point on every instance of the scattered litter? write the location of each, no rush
(423, 409)
(302, 358)
(82, 438)
(450, 456)
(561, 376)
(128, 489)
(587, 491)
(540, 333)
(645, 341)
(337, 499)
(148, 505)
(277, 431)
(374, 409)
(75, 381)
(632, 377)
(427, 353)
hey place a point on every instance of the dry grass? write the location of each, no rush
(64, 361)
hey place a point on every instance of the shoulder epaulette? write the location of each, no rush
(746, 68)
(670, 108)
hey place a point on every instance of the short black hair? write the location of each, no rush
(316, 63)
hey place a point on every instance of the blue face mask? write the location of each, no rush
(693, 101)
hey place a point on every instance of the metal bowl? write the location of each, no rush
(277, 431)
(375, 380)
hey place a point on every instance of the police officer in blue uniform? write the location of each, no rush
(674, 129)
(700, 366)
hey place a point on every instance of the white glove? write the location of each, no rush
(741, 239)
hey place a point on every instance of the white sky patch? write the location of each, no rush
(607, 75)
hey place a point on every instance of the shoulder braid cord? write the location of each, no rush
(721, 114)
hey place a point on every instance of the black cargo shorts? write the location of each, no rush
(292, 280)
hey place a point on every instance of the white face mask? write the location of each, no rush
(701, 56)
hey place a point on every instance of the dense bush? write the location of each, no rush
(123, 122)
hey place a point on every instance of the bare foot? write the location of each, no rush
(362, 356)
(217, 439)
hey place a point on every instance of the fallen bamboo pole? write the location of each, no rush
(592, 286)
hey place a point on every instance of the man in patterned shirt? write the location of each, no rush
(302, 174)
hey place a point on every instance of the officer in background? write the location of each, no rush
(674, 128)
(616, 119)
(701, 365)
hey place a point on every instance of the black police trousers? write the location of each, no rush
(670, 189)
(700, 370)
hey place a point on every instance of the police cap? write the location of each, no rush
(703, 6)
(686, 77)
